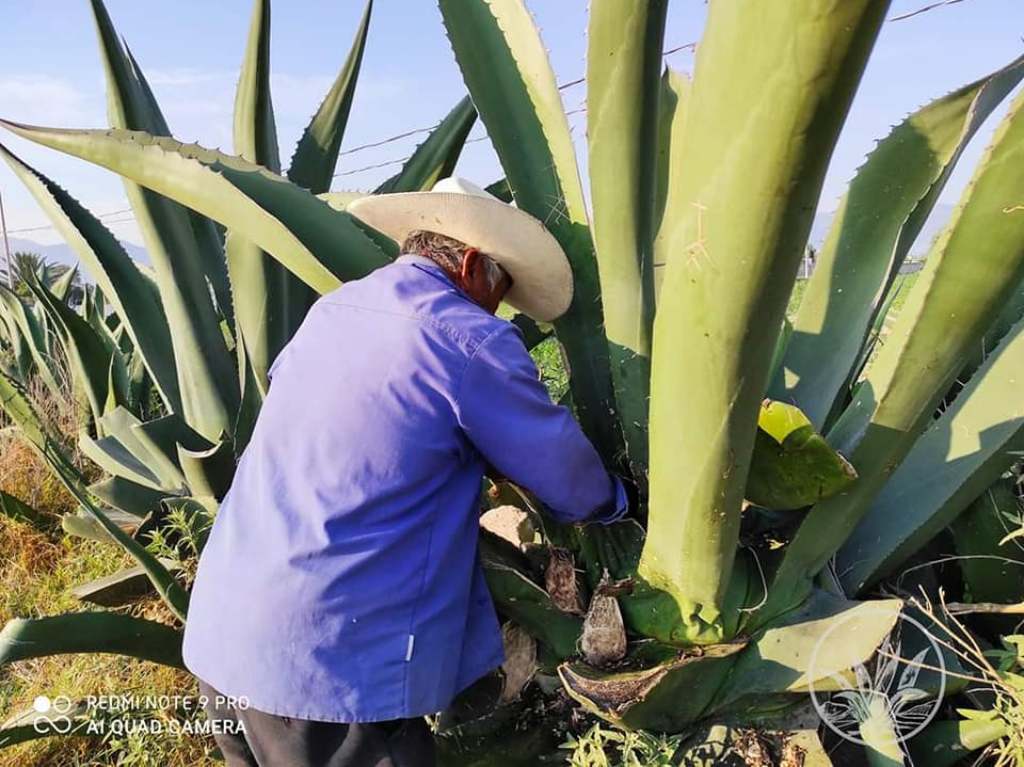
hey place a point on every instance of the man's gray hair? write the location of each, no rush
(447, 252)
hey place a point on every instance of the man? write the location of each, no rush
(340, 597)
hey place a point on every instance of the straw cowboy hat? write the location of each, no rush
(541, 277)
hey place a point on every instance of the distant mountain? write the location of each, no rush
(62, 253)
(932, 227)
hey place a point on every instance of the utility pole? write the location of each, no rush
(7, 245)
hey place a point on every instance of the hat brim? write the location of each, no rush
(541, 277)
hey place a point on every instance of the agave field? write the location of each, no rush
(808, 484)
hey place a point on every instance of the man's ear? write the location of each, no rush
(470, 263)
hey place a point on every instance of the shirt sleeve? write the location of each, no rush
(506, 412)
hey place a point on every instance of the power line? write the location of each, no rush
(51, 226)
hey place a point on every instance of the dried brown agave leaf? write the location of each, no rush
(520, 660)
(604, 635)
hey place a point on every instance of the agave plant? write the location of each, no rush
(770, 455)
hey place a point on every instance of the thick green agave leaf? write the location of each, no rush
(316, 155)
(436, 157)
(183, 248)
(673, 106)
(510, 80)
(91, 632)
(792, 466)
(317, 243)
(877, 222)
(61, 287)
(208, 472)
(947, 743)
(624, 42)
(132, 497)
(972, 269)
(963, 452)
(81, 525)
(991, 558)
(710, 367)
(665, 697)
(526, 603)
(258, 281)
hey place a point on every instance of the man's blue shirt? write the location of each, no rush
(341, 580)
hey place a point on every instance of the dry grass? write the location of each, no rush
(38, 568)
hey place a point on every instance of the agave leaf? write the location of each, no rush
(825, 636)
(87, 353)
(792, 466)
(992, 565)
(16, 405)
(509, 77)
(973, 267)
(91, 632)
(18, 510)
(61, 287)
(182, 261)
(666, 697)
(963, 452)
(877, 222)
(32, 334)
(119, 588)
(881, 739)
(316, 155)
(436, 157)
(319, 244)
(525, 602)
(710, 367)
(208, 472)
(131, 497)
(81, 525)
(258, 281)
(946, 743)
(623, 85)
(32, 725)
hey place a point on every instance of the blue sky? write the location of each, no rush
(51, 74)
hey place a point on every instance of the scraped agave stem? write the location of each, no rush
(604, 635)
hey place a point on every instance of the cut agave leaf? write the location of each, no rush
(91, 632)
(665, 697)
(792, 466)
